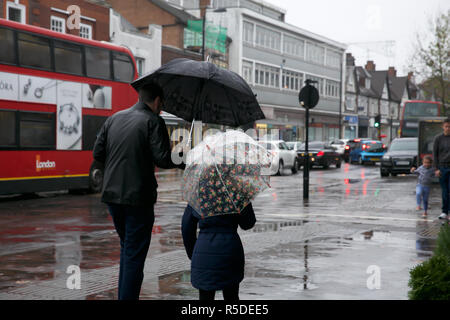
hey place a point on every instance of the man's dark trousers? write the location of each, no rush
(134, 226)
(444, 180)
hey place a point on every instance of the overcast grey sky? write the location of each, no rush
(353, 21)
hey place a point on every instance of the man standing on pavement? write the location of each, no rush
(441, 156)
(130, 144)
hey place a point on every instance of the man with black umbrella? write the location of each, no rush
(130, 144)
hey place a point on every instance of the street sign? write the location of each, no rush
(308, 96)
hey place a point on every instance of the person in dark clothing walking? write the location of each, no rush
(129, 145)
(441, 157)
(217, 256)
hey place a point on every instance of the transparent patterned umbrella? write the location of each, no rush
(224, 173)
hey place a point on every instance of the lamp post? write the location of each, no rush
(204, 29)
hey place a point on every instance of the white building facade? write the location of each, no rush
(146, 48)
(276, 58)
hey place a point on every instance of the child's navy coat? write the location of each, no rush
(217, 256)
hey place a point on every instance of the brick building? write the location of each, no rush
(54, 14)
(173, 20)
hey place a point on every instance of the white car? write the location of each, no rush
(339, 144)
(282, 156)
(294, 145)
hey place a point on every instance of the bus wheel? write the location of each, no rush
(95, 178)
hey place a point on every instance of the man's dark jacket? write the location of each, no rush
(130, 144)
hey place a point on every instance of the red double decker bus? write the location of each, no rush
(56, 91)
(412, 112)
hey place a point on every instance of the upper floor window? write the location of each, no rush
(15, 12)
(267, 75)
(315, 53)
(247, 71)
(350, 102)
(140, 64)
(292, 80)
(267, 38)
(248, 32)
(318, 85)
(58, 24)
(85, 31)
(333, 59)
(332, 89)
(293, 46)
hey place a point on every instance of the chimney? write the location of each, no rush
(370, 66)
(392, 72)
(350, 60)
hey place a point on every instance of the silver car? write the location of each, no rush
(283, 157)
(339, 144)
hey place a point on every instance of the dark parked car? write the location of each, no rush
(401, 156)
(349, 147)
(320, 154)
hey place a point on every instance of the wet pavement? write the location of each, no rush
(325, 248)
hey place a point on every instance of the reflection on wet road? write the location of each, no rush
(315, 249)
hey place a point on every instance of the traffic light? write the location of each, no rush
(377, 121)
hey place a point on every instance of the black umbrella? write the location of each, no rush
(198, 90)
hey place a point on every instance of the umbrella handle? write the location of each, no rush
(188, 143)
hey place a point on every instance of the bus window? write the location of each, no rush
(68, 58)
(7, 128)
(97, 63)
(8, 53)
(123, 68)
(37, 130)
(34, 51)
(91, 127)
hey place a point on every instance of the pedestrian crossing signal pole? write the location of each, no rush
(308, 98)
(377, 125)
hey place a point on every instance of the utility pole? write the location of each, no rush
(203, 35)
